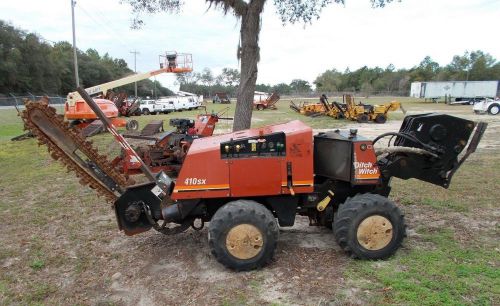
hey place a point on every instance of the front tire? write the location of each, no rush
(132, 125)
(369, 226)
(494, 109)
(243, 235)
(363, 118)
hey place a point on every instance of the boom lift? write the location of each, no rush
(76, 109)
(247, 182)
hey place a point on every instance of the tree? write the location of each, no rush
(207, 77)
(187, 77)
(249, 13)
(300, 86)
(329, 81)
(29, 64)
(230, 76)
(427, 70)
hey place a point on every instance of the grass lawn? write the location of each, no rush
(59, 243)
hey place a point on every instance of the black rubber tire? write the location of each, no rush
(132, 125)
(260, 107)
(74, 123)
(353, 211)
(494, 109)
(363, 118)
(381, 118)
(145, 111)
(243, 212)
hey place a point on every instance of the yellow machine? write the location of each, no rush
(348, 109)
(308, 109)
(366, 112)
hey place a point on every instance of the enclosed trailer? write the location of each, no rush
(455, 89)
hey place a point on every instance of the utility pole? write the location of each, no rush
(154, 88)
(135, 68)
(75, 59)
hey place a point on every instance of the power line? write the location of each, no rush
(108, 29)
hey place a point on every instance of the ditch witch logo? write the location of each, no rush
(366, 170)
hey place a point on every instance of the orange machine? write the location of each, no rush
(268, 103)
(272, 150)
(76, 109)
(166, 151)
(247, 183)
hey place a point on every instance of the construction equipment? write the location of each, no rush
(113, 106)
(366, 112)
(166, 151)
(246, 183)
(221, 97)
(308, 109)
(268, 103)
(348, 109)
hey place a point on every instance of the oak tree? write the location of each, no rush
(249, 12)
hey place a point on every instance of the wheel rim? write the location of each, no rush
(495, 110)
(244, 241)
(375, 233)
(133, 125)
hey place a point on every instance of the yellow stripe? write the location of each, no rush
(201, 187)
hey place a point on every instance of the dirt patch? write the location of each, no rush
(180, 269)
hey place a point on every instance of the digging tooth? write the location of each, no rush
(54, 155)
(84, 145)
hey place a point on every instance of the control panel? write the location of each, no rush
(258, 146)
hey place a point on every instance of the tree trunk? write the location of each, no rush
(249, 55)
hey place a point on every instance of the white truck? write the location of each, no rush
(189, 100)
(152, 107)
(489, 106)
(172, 103)
(180, 103)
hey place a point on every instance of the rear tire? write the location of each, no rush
(369, 226)
(243, 235)
(260, 107)
(494, 109)
(381, 118)
(145, 111)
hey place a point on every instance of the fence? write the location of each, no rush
(316, 94)
(14, 100)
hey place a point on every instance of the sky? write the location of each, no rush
(351, 35)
